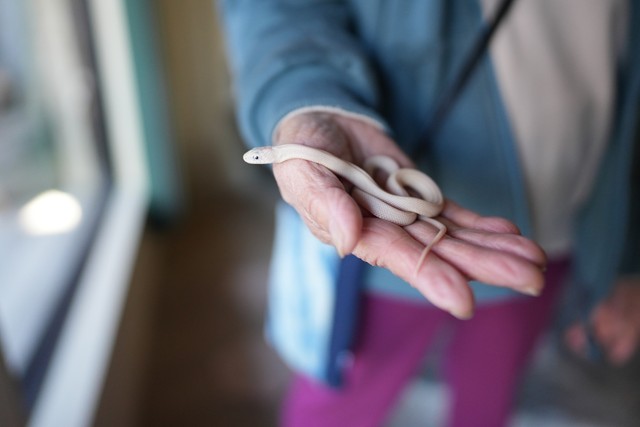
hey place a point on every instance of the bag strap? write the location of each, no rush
(450, 95)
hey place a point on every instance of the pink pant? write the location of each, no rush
(483, 361)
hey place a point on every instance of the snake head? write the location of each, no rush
(259, 156)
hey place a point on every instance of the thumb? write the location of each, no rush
(321, 200)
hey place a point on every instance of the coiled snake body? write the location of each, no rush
(392, 203)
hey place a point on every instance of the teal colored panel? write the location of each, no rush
(167, 196)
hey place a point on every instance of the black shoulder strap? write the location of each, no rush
(449, 96)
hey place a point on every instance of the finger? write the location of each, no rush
(623, 347)
(487, 265)
(320, 199)
(514, 244)
(387, 245)
(615, 332)
(469, 219)
(605, 323)
(575, 337)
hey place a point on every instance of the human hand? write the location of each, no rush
(615, 323)
(486, 249)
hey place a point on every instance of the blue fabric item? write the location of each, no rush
(302, 296)
(389, 60)
(345, 320)
(280, 67)
(605, 228)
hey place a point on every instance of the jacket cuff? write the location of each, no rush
(371, 121)
(308, 89)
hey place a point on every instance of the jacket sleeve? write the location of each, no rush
(631, 256)
(291, 54)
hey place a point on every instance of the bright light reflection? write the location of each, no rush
(51, 212)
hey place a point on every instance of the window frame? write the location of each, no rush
(73, 380)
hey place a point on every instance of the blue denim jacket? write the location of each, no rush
(389, 60)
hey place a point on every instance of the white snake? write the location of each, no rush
(392, 203)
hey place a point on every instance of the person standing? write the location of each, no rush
(540, 146)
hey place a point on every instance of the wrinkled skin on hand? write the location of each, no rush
(487, 249)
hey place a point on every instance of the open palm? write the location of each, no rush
(487, 249)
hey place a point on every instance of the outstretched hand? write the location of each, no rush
(487, 249)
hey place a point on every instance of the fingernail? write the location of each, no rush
(534, 292)
(337, 236)
(461, 314)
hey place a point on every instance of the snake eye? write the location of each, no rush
(256, 157)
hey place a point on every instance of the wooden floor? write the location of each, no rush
(190, 350)
(211, 365)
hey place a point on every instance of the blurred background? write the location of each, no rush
(134, 242)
